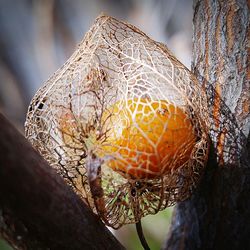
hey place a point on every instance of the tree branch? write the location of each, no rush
(217, 216)
(38, 210)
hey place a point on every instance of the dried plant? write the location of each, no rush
(124, 122)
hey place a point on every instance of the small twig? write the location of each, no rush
(141, 235)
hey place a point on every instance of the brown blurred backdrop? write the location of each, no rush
(37, 36)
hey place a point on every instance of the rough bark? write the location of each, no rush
(218, 214)
(37, 209)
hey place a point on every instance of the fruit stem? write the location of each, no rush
(141, 235)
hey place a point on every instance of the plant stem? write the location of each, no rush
(141, 235)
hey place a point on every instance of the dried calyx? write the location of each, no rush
(124, 122)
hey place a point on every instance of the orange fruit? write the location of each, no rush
(145, 139)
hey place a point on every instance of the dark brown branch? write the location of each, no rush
(218, 214)
(37, 209)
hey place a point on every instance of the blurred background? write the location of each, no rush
(37, 37)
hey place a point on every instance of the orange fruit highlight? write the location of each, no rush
(146, 138)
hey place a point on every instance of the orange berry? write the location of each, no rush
(147, 138)
(68, 127)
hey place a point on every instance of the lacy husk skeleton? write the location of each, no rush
(69, 120)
